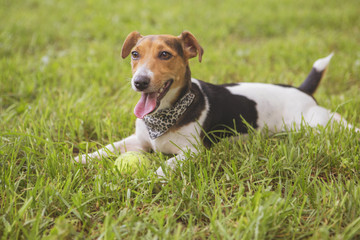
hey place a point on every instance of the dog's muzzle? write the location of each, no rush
(141, 82)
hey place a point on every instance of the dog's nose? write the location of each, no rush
(141, 82)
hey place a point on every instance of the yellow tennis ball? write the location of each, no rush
(130, 162)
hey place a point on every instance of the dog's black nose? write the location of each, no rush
(141, 82)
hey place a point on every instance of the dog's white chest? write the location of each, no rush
(172, 141)
(175, 142)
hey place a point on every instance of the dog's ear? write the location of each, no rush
(129, 43)
(191, 45)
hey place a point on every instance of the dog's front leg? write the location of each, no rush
(174, 162)
(131, 143)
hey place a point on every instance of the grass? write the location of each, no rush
(64, 88)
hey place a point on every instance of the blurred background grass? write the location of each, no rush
(55, 52)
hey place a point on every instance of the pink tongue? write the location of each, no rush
(146, 104)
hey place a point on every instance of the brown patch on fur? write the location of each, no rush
(176, 67)
(176, 45)
(129, 43)
(185, 88)
(191, 45)
(163, 70)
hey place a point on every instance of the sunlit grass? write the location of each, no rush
(64, 88)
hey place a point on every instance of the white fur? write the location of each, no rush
(141, 71)
(277, 107)
(322, 63)
(131, 143)
(185, 137)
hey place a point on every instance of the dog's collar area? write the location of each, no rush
(161, 121)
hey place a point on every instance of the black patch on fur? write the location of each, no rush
(284, 85)
(230, 84)
(226, 112)
(194, 111)
(312, 81)
(188, 73)
(176, 45)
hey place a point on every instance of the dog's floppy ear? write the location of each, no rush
(191, 45)
(129, 43)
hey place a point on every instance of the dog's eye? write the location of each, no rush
(165, 55)
(135, 55)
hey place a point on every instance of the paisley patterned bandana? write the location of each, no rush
(159, 122)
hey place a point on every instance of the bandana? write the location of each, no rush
(159, 122)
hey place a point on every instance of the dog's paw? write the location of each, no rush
(170, 165)
(160, 173)
(82, 158)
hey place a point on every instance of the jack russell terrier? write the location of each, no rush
(176, 112)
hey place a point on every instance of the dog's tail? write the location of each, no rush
(317, 72)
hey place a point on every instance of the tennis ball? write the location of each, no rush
(131, 162)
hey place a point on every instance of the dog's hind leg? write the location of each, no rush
(317, 115)
(338, 118)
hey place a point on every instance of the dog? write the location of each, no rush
(177, 112)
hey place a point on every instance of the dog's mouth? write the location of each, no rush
(149, 102)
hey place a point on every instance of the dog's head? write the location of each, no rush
(160, 68)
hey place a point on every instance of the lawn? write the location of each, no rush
(64, 89)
